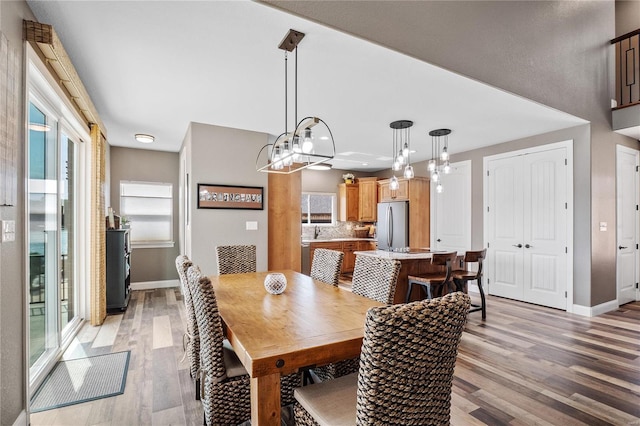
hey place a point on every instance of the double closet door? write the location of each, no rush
(526, 225)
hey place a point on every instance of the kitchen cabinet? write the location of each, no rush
(348, 202)
(367, 199)
(416, 191)
(349, 261)
(348, 247)
(367, 245)
(400, 194)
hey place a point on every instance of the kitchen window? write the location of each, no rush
(318, 209)
(148, 207)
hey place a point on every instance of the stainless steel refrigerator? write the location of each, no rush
(393, 225)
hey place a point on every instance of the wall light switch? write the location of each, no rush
(8, 230)
(603, 226)
(252, 226)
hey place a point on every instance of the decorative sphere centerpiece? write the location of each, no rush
(275, 282)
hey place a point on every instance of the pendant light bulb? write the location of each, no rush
(394, 185)
(439, 188)
(396, 166)
(435, 176)
(408, 172)
(444, 156)
(286, 155)
(307, 143)
(405, 150)
(277, 162)
(432, 166)
(400, 158)
(446, 168)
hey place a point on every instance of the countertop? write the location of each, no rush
(421, 254)
(329, 240)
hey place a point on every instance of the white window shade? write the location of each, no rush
(149, 208)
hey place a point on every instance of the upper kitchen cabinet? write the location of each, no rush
(348, 201)
(368, 199)
(416, 191)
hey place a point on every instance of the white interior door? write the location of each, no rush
(627, 223)
(527, 225)
(504, 219)
(545, 228)
(451, 218)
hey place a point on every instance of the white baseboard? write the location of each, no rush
(22, 419)
(594, 311)
(148, 285)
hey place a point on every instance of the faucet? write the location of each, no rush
(316, 232)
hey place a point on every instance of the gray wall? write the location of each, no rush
(12, 259)
(147, 264)
(627, 16)
(555, 52)
(221, 155)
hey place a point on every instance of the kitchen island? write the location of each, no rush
(415, 262)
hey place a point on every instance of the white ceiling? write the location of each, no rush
(154, 66)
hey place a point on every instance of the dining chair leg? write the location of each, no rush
(408, 299)
(197, 389)
(483, 302)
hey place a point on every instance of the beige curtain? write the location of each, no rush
(98, 228)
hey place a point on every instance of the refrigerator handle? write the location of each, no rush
(389, 227)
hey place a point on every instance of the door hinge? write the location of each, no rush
(565, 294)
(488, 245)
(487, 172)
(565, 161)
(566, 206)
(566, 250)
(637, 168)
(487, 209)
(636, 285)
(636, 247)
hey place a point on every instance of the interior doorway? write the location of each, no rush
(627, 186)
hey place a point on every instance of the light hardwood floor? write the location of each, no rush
(524, 365)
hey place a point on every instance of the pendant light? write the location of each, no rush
(401, 151)
(311, 142)
(439, 162)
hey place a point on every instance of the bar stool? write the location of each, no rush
(462, 277)
(435, 280)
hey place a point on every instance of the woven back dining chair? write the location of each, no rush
(191, 339)
(376, 279)
(236, 259)
(225, 383)
(406, 370)
(326, 265)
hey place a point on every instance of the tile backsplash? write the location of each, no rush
(341, 230)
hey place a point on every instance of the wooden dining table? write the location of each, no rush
(310, 323)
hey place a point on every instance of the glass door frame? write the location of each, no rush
(43, 91)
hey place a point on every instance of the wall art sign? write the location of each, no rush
(211, 196)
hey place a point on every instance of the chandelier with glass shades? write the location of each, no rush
(439, 162)
(401, 151)
(310, 144)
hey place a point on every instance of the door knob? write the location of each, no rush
(438, 240)
(527, 246)
(518, 245)
(622, 247)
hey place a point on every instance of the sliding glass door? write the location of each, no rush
(52, 222)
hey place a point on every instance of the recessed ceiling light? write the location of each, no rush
(141, 137)
(365, 164)
(320, 167)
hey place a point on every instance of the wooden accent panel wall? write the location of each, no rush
(285, 227)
